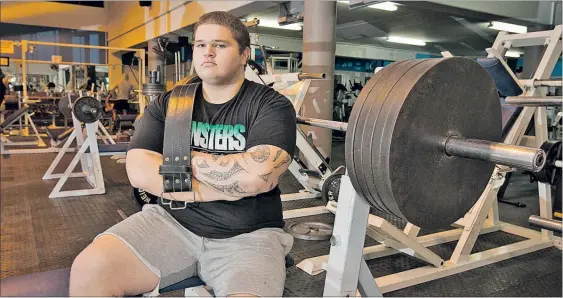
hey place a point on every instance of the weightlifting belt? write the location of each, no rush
(176, 167)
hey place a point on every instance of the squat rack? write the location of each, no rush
(347, 271)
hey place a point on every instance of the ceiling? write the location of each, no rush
(462, 32)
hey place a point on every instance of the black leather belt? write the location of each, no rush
(176, 167)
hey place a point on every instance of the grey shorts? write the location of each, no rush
(252, 263)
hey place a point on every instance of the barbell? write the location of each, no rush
(423, 140)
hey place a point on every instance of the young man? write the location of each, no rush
(230, 233)
(121, 102)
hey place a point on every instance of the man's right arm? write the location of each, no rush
(142, 169)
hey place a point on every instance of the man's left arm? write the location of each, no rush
(239, 175)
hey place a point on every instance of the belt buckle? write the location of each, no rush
(169, 204)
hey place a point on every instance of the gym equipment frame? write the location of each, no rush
(347, 271)
(295, 86)
(89, 156)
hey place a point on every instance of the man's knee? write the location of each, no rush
(108, 267)
(92, 270)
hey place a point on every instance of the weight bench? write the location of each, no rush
(111, 149)
(4, 141)
(55, 283)
(503, 80)
(58, 135)
(125, 121)
(12, 118)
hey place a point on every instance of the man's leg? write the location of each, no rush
(107, 267)
(147, 251)
(250, 264)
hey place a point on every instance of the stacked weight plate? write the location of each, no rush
(396, 134)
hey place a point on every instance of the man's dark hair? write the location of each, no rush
(238, 29)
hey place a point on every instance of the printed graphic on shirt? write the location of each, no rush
(218, 137)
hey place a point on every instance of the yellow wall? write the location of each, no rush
(53, 14)
(130, 24)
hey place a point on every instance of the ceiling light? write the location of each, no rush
(405, 40)
(274, 24)
(512, 54)
(389, 6)
(508, 27)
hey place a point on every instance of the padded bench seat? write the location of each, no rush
(55, 283)
(12, 118)
(59, 134)
(504, 82)
(111, 148)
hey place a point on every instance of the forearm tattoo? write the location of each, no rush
(222, 176)
(261, 154)
(277, 154)
(265, 177)
(233, 188)
(225, 161)
(285, 160)
(202, 164)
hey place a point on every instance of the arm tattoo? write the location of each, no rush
(202, 164)
(277, 154)
(215, 157)
(265, 176)
(222, 176)
(225, 161)
(233, 189)
(285, 160)
(261, 154)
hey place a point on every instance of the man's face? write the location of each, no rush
(216, 54)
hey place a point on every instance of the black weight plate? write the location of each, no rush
(375, 139)
(87, 109)
(550, 173)
(64, 105)
(360, 123)
(331, 187)
(351, 130)
(371, 112)
(436, 99)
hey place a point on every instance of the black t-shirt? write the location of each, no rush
(257, 115)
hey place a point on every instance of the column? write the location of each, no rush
(318, 57)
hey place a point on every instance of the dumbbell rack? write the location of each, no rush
(347, 270)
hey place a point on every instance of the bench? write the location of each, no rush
(504, 82)
(55, 283)
(12, 118)
(58, 134)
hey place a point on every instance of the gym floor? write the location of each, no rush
(40, 234)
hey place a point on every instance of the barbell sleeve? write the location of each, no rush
(543, 101)
(547, 83)
(544, 223)
(524, 158)
(334, 125)
(313, 76)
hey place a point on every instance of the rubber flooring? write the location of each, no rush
(40, 234)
